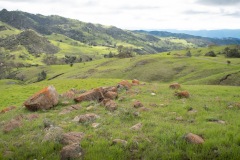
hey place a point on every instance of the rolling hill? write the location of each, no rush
(98, 35)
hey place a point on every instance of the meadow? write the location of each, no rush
(164, 124)
(211, 111)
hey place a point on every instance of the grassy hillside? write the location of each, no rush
(163, 125)
(166, 67)
(108, 36)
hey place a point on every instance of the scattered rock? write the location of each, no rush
(137, 104)
(136, 114)
(12, 125)
(143, 109)
(68, 95)
(95, 125)
(135, 82)
(123, 98)
(92, 95)
(111, 95)
(182, 94)
(86, 118)
(47, 123)
(110, 104)
(54, 134)
(98, 94)
(216, 120)
(71, 151)
(175, 86)
(90, 108)
(8, 109)
(193, 138)
(72, 137)
(119, 141)
(153, 105)
(124, 84)
(136, 127)
(44, 99)
(153, 94)
(32, 117)
(192, 111)
(70, 109)
(180, 118)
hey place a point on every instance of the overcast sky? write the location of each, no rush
(139, 14)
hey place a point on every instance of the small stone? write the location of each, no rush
(119, 141)
(95, 125)
(143, 109)
(136, 114)
(89, 108)
(72, 151)
(180, 118)
(193, 111)
(137, 104)
(53, 134)
(47, 123)
(32, 117)
(136, 127)
(86, 118)
(135, 82)
(153, 94)
(72, 137)
(12, 125)
(193, 138)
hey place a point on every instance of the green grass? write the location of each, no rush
(151, 68)
(159, 138)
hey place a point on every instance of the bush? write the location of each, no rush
(189, 54)
(232, 53)
(211, 54)
(41, 76)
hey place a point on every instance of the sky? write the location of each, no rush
(139, 14)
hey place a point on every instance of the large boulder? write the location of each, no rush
(92, 95)
(44, 99)
(98, 94)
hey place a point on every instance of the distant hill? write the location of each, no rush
(197, 40)
(90, 34)
(223, 33)
(33, 42)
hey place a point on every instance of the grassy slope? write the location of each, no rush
(164, 68)
(160, 137)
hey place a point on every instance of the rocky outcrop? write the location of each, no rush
(44, 99)
(98, 94)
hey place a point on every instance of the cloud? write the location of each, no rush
(193, 12)
(219, 2)
(232, 14)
